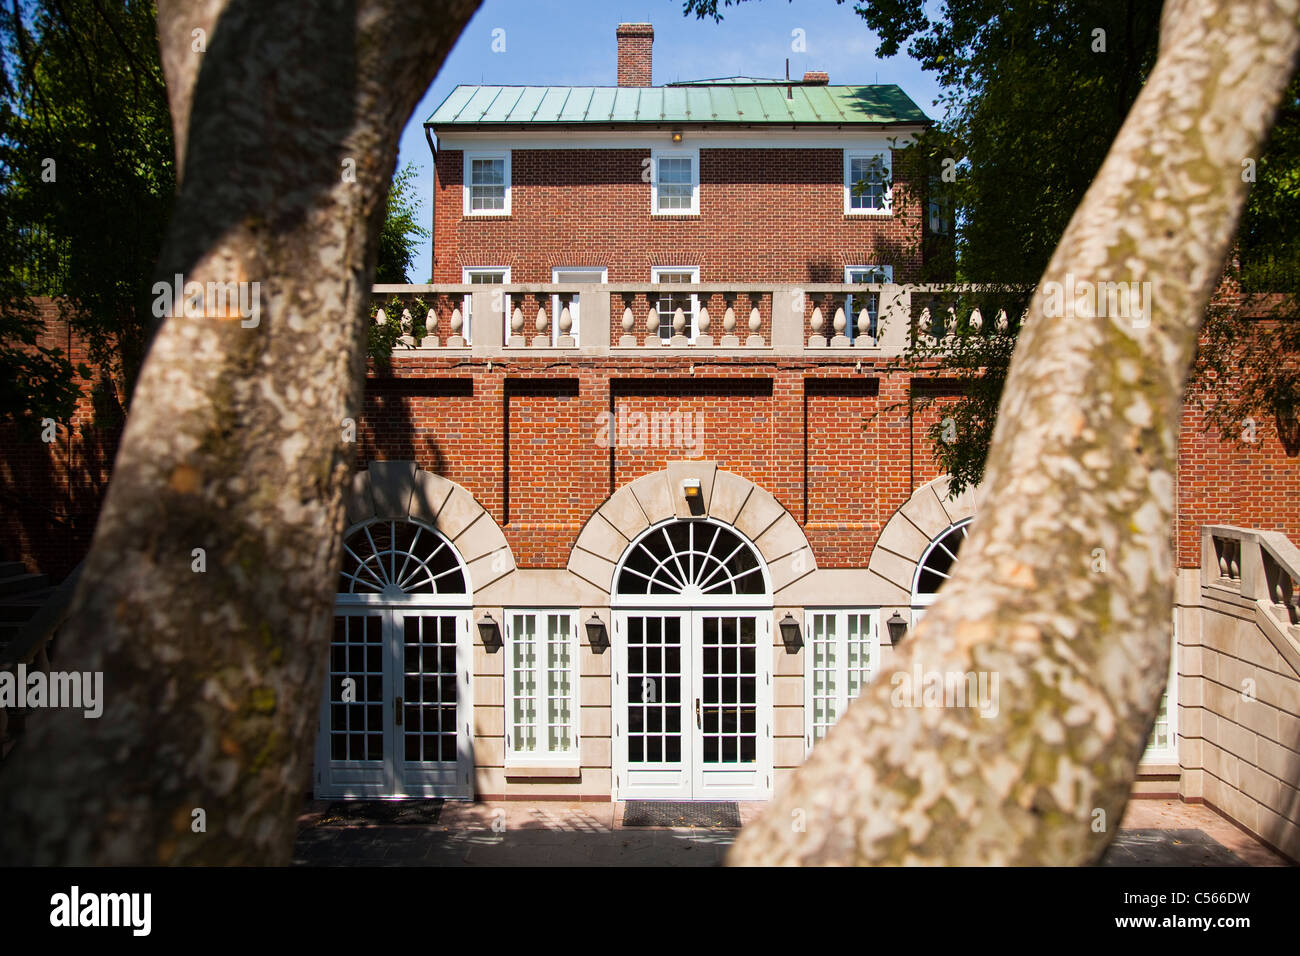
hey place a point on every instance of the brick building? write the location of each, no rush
(641, 502)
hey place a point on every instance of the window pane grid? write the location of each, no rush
(524, 689)
(870, 172)
(729, 708)
(674, 187)
(654, 713)
(559, 692)
(841, 664)
(356, 652)
(430, 693)
(487, 188)
(825, 700)
(542, 685)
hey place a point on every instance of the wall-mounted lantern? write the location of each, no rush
(790, 634)
(597, 635)
(897, 625)
(694, 495)
(490, 633)
(677, 136)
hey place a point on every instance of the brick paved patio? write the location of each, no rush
(1153, 833)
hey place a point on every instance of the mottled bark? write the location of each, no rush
(1064, 590)
(234, 445)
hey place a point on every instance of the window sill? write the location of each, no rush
(869, 214)
(548, 772)
(675, 215)
(471, 216)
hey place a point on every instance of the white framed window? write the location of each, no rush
(842, 655)
(484, 275)
(667, 305)
(486, 190)
(675, 182)
(541, 687)
(872, 168)
(867, 275)
(1163, 745)
(585, 274)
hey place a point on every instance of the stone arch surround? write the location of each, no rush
(917, 522)
(726, 497)
(402, 490)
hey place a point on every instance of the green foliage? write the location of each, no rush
(382, 337)
(1034, 93)
(1269, 236)
(401, 228)
(88, 180)
(1247, 368)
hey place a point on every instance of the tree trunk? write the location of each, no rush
(287, 118)
(1064, 590)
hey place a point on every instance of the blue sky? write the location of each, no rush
(571, 42)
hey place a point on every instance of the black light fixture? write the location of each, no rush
(490, 633)
(897, 625)
(597, 635)
(790, 636)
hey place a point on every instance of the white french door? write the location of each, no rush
(396, 710)
(692, 705)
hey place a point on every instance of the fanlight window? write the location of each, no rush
(937, 565)
(399, 557)
(691, 556)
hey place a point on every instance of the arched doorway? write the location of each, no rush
(692, 665)
(396, 712)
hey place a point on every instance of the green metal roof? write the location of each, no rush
(706, 104)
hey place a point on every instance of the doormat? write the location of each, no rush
(664, 813)
(381, 813)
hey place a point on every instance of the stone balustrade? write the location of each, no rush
(621, 318)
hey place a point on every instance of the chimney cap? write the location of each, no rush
(816, 78)
(635, 30)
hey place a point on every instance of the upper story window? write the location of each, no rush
(868, 183)
(675, 182)
(487, 183)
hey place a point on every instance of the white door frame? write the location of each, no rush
(466, 307)
(655, 276)
(575, 307)
(393, 777)
(689, 779)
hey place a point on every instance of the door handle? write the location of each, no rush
(398, 704)
(698, 724)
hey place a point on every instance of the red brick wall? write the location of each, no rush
(1251, 484)
(50, 493)
(771, 215)
(840, 448)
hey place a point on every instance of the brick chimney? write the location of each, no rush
(634, 42)
(816, 78)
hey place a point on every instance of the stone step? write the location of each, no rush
(22, 583)
(21, 607)
(9, 569)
